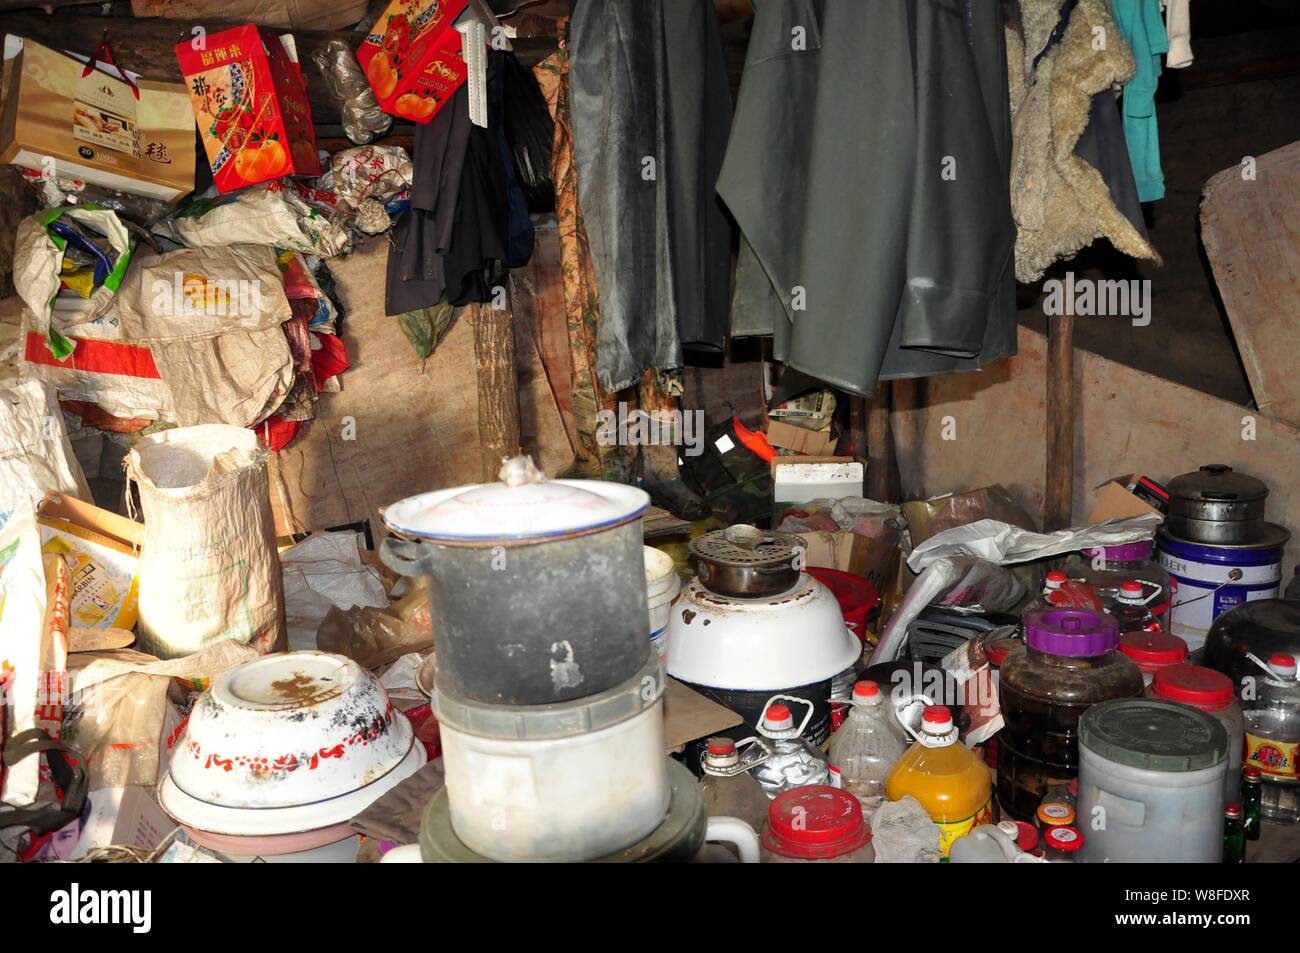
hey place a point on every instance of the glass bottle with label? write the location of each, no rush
(729, 787)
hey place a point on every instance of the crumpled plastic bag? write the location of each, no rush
(856, 515)
(39, 262)
(367, 172)
(926, 518)
(279, 213)
(1001, 543)
(363, 120)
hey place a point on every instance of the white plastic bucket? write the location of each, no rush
(663, 586)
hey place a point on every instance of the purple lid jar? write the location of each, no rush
(1128, 553)
(1074, 633)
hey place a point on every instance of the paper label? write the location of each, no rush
(104, 113)
(1275, 759)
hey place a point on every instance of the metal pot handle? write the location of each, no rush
(406, 557)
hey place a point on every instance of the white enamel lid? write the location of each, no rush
(524, 506)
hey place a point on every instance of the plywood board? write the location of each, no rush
(1129, 422)
(1250, 224)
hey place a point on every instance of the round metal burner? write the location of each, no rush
(746, 562)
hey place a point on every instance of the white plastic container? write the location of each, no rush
(562, 783)
(662, 587)
(1151, 783)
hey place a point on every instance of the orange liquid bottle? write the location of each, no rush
(951, 783)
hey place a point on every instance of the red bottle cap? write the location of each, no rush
(866, 689)
(1063, 838)
(721, 746)
(936, 719)
(778, 718)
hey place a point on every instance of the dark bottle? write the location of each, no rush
(1234, 837)
(1251, 795)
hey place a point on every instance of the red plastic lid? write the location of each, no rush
(1253, 772)
(721, 746)
(1151, 650)
(1026, 837)
(1282, 664)
(816, 822)
(866, 689)
(1056, 577)
(1194, 685)
(1063, 838)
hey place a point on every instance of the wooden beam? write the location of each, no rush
(498, 386)
(880, 445)
(1058, 499)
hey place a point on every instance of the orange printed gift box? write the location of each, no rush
(413, 57)
(250, 102)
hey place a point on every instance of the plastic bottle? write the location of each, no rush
(868, 744)
(730, 790)
(1211, 692)
(795, 762)
(1131, 607)
(1272, 741)
(1234, 836)
(1251, 796)
(1108, 567)
(950, 782)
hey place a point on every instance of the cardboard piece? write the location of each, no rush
(1116, 502)
(800, 479)
(94, 128)
(101, 552)
(688, 715)
(412, 57)
(800, 439)
(250, 101)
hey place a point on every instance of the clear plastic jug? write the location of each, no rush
(868, 744)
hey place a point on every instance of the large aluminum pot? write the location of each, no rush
(536, 587)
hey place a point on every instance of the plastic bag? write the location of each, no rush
(362, 118)
(530, 130)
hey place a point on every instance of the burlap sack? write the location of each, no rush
(209, 570)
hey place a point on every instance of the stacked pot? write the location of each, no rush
(1217, 547)
(549, 700)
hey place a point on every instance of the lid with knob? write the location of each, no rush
(1074, 633)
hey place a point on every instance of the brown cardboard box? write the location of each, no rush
(800, 439)
(58, 122)
(1116, 502)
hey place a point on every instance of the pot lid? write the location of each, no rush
(815, 822)
(524, 506)
(1194, 685)
(1075, 633)
(1217, 483)
(1153, 735)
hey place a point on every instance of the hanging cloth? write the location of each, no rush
(1144, 30)
(867, 170)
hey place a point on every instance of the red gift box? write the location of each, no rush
(414, 59)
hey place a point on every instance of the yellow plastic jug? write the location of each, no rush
(951, 783)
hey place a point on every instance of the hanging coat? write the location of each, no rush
(867, 170)
(650, 110)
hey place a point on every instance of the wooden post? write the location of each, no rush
(498, 387)
(1058, 498)
(880, 445)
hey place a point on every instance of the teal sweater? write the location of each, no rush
(1144, 29)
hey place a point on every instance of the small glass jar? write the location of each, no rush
(1061, 845)
(816, 824)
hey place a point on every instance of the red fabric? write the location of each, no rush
(330, 359)
(97, 357)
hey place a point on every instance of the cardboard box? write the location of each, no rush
(800, 439)
(101, 551)
(413, 57)
(1116, 502)
(94, 128)
(249, 98)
